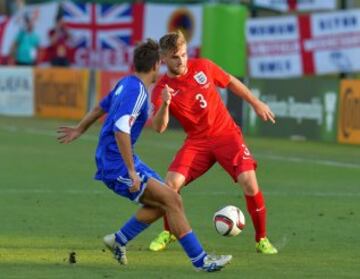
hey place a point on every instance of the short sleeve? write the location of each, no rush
(128, 107)
(105, 103)
(220, 77)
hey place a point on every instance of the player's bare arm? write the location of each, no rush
(161, 118)
(123, 141)
(68, 134)
(260, 108)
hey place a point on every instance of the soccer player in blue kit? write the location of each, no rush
(124, 173)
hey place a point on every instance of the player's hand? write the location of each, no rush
(166, 94)
(264, 111)
(67, 134)
(136, 182)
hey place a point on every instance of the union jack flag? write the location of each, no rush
(103, 33)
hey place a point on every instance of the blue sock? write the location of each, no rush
(130, 230)
(193, 249)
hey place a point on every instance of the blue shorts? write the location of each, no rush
(122, 183)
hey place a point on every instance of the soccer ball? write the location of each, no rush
(229, 221)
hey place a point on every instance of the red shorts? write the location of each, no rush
(197, 156)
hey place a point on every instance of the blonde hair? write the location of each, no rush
(172, 41)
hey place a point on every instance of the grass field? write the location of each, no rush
(51, 206)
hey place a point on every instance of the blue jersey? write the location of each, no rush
(127, 108)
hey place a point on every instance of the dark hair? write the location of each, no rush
(27, 18)
(172, 41)
(146, 55)
(59, 15)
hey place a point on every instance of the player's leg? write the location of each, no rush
(158, 199)
(254, 201)
(145, 215)
(134, 226)
(175, 181)
(256, 207)
(232, 153)
(117, 242)
(190, 162)
(158, 195)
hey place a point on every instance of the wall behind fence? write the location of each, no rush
(349, 108)
(324, 109)
(61, 93)
(305, 108)
(16, 91)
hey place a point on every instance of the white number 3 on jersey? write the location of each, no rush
(201, 99)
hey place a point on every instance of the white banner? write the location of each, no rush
(160, 19)
(335, 41)
(274, 47)
(296, 5)
(16, 91)
(323, 43)
(277, 5)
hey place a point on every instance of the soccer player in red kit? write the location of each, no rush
(188, 92)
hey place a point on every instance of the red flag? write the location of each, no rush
(3, 22)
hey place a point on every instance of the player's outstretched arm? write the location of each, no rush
(260, 108)
(161, 118)
(68, 134)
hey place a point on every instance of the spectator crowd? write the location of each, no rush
(26, 48)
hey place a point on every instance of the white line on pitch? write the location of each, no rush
(173, 146)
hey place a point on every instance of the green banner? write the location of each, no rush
(224, 37)
(305, 108)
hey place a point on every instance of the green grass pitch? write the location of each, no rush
(50, 206)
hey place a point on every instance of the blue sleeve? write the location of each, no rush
(128, 106)
(105, 103)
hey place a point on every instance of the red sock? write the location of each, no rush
(256, 208)
(166, 224)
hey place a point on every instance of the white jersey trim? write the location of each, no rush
(123, 123)
(139, 101)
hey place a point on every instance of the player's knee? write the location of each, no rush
(250, 190)
(175, 180)
(248, 183)
(174, 201)
(177, 201)
(173, 184)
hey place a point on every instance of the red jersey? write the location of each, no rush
(195, 103)
(59, 48)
